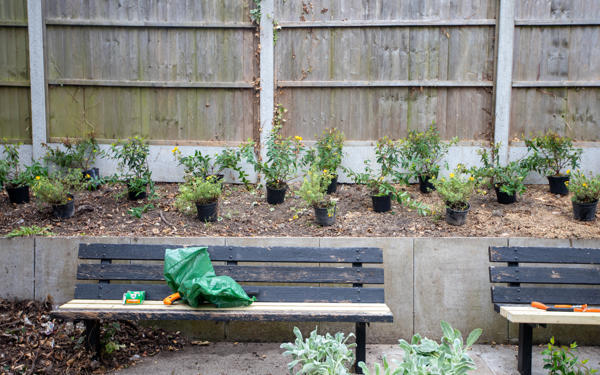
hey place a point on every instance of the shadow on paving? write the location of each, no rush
(266, 359)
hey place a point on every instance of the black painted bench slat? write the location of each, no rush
(323, 284)
(238, 273)
(575, 285)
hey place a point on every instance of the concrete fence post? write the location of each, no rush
(504, 64)
(267, 73)
(37, 74)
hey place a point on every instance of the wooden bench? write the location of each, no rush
(334, 287)
(557, 276)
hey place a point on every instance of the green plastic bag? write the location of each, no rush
(189, 271)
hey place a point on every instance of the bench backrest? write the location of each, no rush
(555, 274)
(325, 274)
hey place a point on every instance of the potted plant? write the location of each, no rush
(132, 157)
(283, 154)
(550, 155)
(204, 193)
(15, 179)
(506, 180)
(78, 154)
(586, 192)
(456, 191)
(57, 191)
(421, 154)
(314, 192)
(380, 182)
(327, 155)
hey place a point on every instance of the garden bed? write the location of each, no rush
(537, 213)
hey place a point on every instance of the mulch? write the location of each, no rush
(31, 342)
(537, 213)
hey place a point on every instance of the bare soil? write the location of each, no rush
(537, 213)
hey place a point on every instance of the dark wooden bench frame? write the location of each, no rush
(506, 299)
(338, 274)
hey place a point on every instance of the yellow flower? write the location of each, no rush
(37, 177)
(471, 178)
(566, 183)
(69, 199)
(295, 217)
(568, 171)
(87, 175)
(584, 184)
(298, 138)
(175, 149)
(325, 171)
(451, 175)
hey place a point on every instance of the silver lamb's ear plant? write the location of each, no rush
(320, 355)
(426, 357)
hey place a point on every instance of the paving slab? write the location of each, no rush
(226, 358)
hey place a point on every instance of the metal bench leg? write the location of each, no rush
(361, 345)
(92, 335)
(525, 343)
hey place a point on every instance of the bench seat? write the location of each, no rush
(531, 315)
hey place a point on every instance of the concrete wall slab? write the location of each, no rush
(17, 268)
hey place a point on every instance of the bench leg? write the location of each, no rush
(361, 345)
(525, 343)
(92, 335)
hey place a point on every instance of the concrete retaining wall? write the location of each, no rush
(426, 280)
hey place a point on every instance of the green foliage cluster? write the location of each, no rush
(255, 13)
(508, 178)
(381, 182)
(422, 152)
(319, 355)
(314, 189)
(57, 188)
(108, 341)
(563, 360)
(11, 173)
(132, 157)
(78, 154)
(423, 356)
(197, 190)
(456, 190)
(283, 154)
(585, 189)
(32, 230)
(551, 153)
(139, 211)
(327, 153)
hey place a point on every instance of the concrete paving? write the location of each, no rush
(227, 358)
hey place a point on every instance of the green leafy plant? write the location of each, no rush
(314, 190)
(551, 153)
(57, 188)
(11, 173)
(380, 182)
(563, 360)
(283, 154)
(255, 14)
(139, 211)
(456, 190)
(108, 341)
(423, 356)
(74, 154)
(32, 230)
(507, 178)
(422, 152)
(327, 153)
(319, 355)
(132, 157)
(585, 189)
(198, 190)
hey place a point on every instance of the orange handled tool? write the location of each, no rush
(172, 298)
(578, 308)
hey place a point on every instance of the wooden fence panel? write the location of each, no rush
(15, 113)
(175, 71)
(555, 69)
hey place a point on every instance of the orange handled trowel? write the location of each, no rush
(567, 308)
(172, 298)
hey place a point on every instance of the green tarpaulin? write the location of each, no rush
(189, 271)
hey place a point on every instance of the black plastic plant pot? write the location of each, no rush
(134, 195)
(208, 212)
(457, 217)
(322, 216)
(64, 211)
(332, 188)
(584, 211)
(382, 203)
(276, 196)
(557, 184)
(504, 198)
(425, 185)
(18, 195)
(94, 174)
